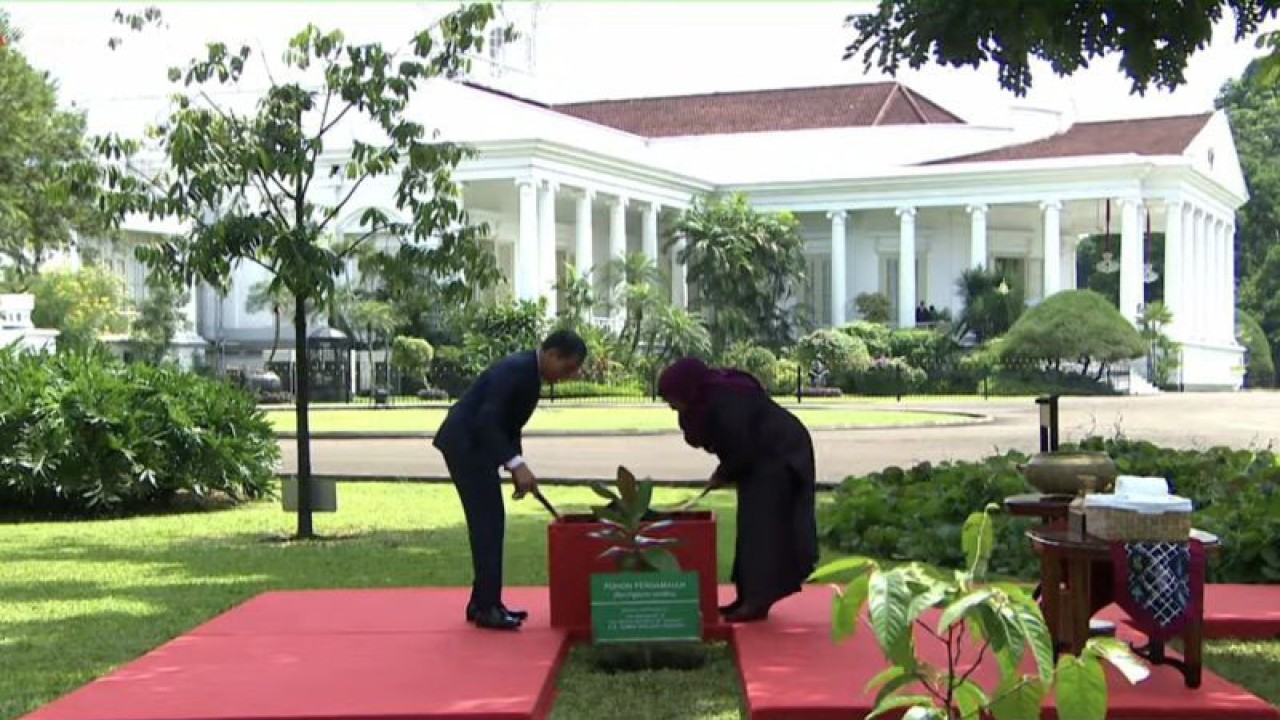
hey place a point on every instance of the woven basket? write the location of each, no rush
(1130, 526)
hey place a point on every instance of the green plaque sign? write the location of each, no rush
(645, 607)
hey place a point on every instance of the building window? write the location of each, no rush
(815, 299)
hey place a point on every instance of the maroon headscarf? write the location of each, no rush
(690, 382)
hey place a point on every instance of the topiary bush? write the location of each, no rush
(85, 434)
(1261, 369)
(917, 513)
(1074, 326)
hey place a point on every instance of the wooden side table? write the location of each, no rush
(1073, 593)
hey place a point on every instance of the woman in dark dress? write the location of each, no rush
(767, 454)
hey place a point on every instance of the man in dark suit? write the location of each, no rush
(482, 433)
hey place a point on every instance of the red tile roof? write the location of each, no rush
(1144, 136)
(838, 106)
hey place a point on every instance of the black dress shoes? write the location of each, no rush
(731, 607)
(493, 618)
(748, 613)
(520, 615)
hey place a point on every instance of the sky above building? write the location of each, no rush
(593, 51)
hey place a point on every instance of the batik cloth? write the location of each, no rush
(1160, 584)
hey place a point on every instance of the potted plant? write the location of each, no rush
(627, 535)
(970, 622)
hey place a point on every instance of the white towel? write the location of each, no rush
(1132, 486)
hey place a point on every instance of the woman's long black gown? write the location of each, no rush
(767, 453)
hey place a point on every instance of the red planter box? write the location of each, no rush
(573, 557)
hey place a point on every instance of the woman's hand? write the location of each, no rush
(715, 482)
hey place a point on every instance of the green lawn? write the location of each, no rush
(79, 599)
(580, 419)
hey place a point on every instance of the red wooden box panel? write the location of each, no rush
(573, 557)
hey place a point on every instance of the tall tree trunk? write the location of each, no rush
(373, 368)
(303, 373)
(275, 339)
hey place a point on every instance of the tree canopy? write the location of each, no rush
(746, 264)
(266, 187)
(40, 211)
(1154, 38)
(1074, 325)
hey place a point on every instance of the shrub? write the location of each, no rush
(874, 336)
(917, 514)
(1073, 326)
(86, 434)
(872, 307)
(412, 356)
(584, 389)
(275, 397)
(495, 331)
(758, 361)
(886, 376)
(433, 394)
(1261, 368)
(785, 374)
(839, 352)
(450, 370)
(820, 392)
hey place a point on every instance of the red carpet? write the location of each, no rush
(351, 655)
(791, 669)
(1243, 612)
(408, 655)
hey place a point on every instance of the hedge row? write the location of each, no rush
(917, 513)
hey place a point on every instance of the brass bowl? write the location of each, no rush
(1070, 473)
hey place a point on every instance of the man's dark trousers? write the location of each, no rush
(480, 490)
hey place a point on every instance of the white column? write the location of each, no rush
(906, 267)
(1194, 274)
(1070, 258)
(1131, 260)
(839, 268)
(617, 250)
(526, 270)
(583, 241)
(1052, 246)
(1223, 328)
(1230, 281)
(978, 236)
(547, 270)
(1174, 262)
(679, 275)
(649, 235)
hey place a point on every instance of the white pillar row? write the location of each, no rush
(617, 249)
(906, 267)
(679, 275)
(1131, 259)
(583, 241)
(1052, 210)
(1204, 288)
(1174, 264)
(526, 270)
(977, 236)
(1212, 281)
(649, 235)
(547, 270)
(1230, 279)
(839, 267)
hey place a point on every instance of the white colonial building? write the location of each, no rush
(895, 194)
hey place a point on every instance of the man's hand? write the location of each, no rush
(524, 480)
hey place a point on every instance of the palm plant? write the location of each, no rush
(992, 303)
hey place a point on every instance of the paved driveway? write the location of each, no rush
(1179, 420)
